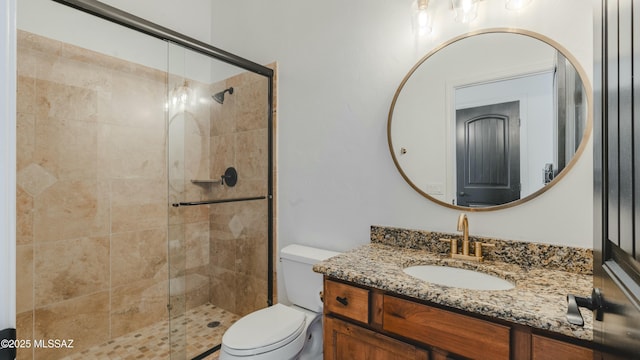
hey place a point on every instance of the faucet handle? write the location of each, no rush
(453, 243)
(478, 248)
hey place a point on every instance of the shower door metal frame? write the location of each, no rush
(139, 24)
(136, 23)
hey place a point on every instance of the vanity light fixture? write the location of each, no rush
(465, 10)
(423, 17)
(517, 4)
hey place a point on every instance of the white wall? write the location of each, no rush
(340, 63)
(7, 164)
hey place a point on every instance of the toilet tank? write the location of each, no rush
(302, 284)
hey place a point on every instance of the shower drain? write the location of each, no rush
(213, 324)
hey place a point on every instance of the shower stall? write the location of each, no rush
(144, 192)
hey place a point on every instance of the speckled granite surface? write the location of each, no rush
(538, 299)
(525, 254)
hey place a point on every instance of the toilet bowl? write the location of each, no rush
(278, 332)
(284, 332)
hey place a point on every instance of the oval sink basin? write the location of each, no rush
(459, 278)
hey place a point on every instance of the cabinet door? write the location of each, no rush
(343, 340)
(545, 348)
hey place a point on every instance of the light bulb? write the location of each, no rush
(423, 17)
(465, 10)
(516, 4)
(424, 22)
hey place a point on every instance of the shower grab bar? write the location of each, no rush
(207, 202)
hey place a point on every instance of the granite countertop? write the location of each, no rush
(538, 299)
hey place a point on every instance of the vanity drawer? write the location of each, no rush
(345, 300)
(452, 332)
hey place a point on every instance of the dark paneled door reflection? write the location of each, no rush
(488, 154)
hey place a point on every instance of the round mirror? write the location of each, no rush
(489, 120)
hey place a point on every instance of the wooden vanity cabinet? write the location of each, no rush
(363, 323)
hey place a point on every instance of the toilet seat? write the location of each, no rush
(264, 330)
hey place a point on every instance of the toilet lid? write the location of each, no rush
(265, 329)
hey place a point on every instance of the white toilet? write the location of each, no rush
(282, 332)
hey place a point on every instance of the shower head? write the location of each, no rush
(219, 97)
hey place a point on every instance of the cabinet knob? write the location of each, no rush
(342, 300)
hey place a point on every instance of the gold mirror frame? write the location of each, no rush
(560, 176)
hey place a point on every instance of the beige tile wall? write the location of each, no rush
(239, 239)
(93, 222)
(92, 203)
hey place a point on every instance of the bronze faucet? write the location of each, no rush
(463, 225)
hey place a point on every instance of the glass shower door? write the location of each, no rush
(218, 185)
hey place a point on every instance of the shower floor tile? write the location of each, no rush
(153, 342)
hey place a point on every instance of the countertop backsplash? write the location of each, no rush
(524, 254)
